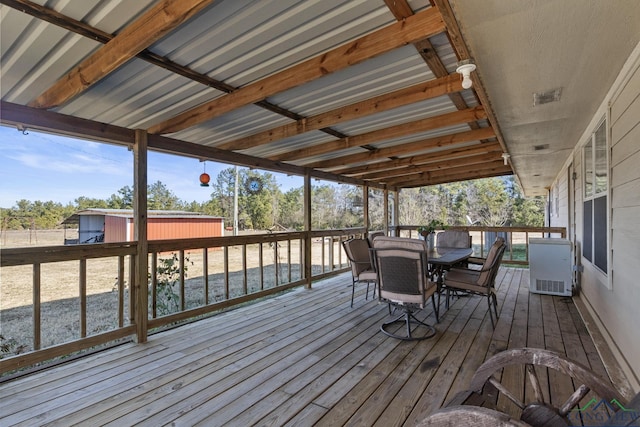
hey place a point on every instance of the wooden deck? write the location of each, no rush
(302, 358)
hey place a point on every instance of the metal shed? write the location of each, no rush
(116, 225)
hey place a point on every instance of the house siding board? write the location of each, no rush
(626, 170)
(626, 195)
(629, 96)
(616, 307)
(623, 150)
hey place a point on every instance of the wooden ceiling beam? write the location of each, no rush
(416, 27)
(78, 27)
(430, 123)
(416, 93)
(401, 10)
(458, 178)
(449, 175)
(405, 149)
(49, 121)
(150, 27)
(459, 45)
(434, 166)
(485, 147)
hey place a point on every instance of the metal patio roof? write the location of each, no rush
(363, 91)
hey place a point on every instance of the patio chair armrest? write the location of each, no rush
(470, 270)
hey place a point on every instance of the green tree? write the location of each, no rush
(323, 207)
(490, 201)
(83, 202)
(159, 197)
(527, 211)
(291, 212)
(259, 208)
(38, 215)
(122, 200)
(221, 203)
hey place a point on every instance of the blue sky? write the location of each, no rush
(40, 166)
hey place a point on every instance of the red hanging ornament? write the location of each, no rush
(204, 177)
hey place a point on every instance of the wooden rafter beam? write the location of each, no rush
(453, 174)
(78, 27)
(437, 156)
(416, 27)
(401, 10)
(405, 149)
(434, 166)
(397, 131)
(150, 27)
(504, 170)
(387, 101)
(459, 45)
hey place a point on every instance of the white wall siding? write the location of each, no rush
(560, 214)
(616, 307)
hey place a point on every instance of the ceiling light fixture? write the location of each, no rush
(465, 68)
(505, 158)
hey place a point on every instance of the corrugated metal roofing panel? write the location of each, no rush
(252, 41)
(386, 73)
(240, 42)
(35, 54)
(236, 124)
(307, 139)
(397, 116)
(236, 42)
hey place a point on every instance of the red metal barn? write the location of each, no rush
(116, 225)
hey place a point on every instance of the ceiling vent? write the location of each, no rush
(540, 147)
(540, 98)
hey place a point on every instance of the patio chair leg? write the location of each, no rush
(436, 309)
(495, 304)
(353, 291)
(493, 324)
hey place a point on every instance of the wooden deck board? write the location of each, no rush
(302, 358)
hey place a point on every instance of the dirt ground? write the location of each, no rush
(59, 295)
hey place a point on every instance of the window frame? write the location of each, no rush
(592, 146)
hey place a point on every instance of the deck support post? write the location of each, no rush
(140, 287)
(396, 212)
(385, 204)
(365, 207)
(307, 228)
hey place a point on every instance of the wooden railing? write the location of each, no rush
(42, 267)
(517, 239)
(188, 278)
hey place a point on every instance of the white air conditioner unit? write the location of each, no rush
(550, 266)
